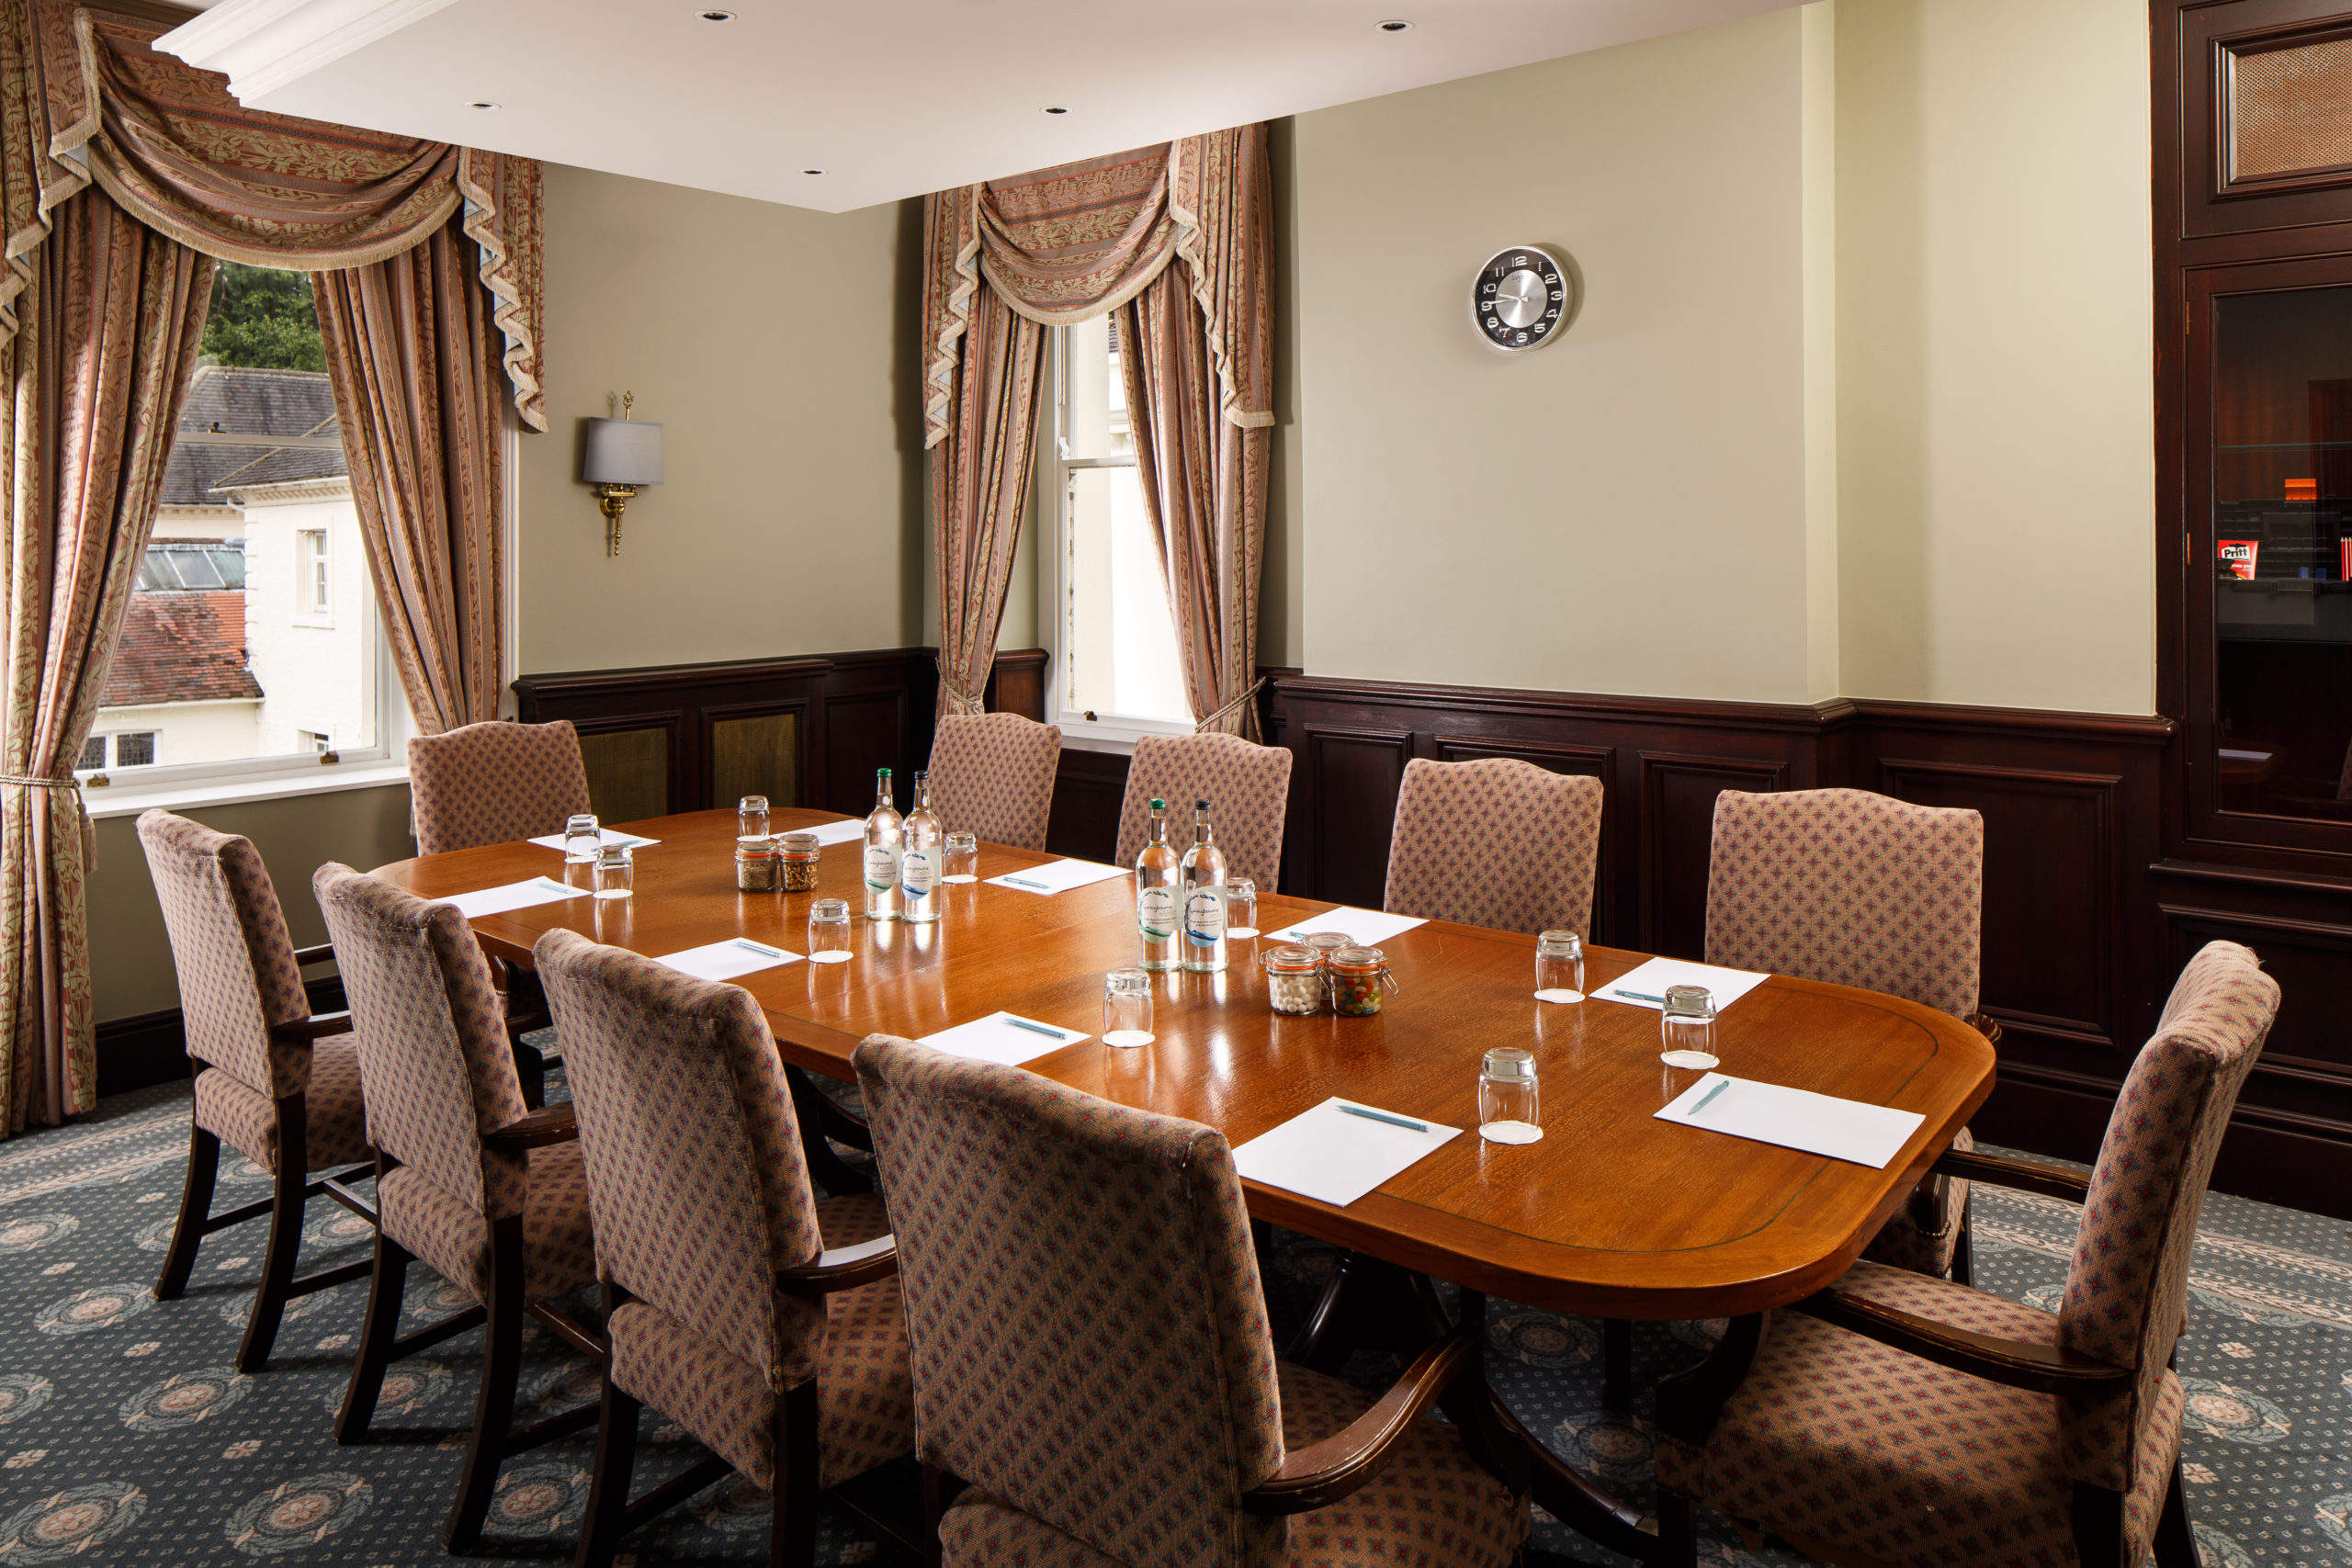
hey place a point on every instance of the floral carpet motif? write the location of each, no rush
(127, 1437)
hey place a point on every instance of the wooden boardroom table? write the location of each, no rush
(1612, 1213)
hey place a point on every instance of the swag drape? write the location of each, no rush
(1067, 245)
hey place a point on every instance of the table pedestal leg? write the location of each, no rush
(1367, 1306)
(1572, 1500)
(1616, 1364)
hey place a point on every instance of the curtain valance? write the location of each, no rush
(174, 149)
(1073, 243)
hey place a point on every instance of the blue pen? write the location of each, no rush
(1021, 882)
(1384, 1116)
(755, 947)
(1721, 1085)
(1037, 1028)
(1639, 996)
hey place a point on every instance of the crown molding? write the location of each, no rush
(263, 45)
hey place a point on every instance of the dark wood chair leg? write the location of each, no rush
(792, 1519)
(940, 1488)
(2098, 1527)
(601, 1526)
(1678, 1532)
(1964, 1256)
(1616, 1364)
(502, 1367)
(195, 1205)
(376, 1335)
(2176, 1544)
(531, 1072)
(291, 1196)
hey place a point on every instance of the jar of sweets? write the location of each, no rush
(797, 857)
(755, 865)
(1358, 976)
(1293, 979)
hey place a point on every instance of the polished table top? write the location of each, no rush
(1612, 1212)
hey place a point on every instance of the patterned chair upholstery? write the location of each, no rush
(494, 783)
(1247, 786)
(1474, 844)
(1090, 1348)
(1850, 1446)
(275, 1085)
(992, 773)
(1852, 889)
(762, 1319)
(488, 1192)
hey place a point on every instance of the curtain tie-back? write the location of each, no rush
(1228, 708)
(960, 699)
(36, 781)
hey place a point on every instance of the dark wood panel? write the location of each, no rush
(1352, 777)
(1090, 788)
(1677, 840)
(860, 736)
(632, 769)
(1017, 684)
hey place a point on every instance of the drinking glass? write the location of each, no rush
(581, 842)
(1559, 968)
(1507, 1100)
(751, 817)
(615, 872)
(1688, 1028)
(1240, 908)
(829, 932)
(963, 858)
(1127, 1008)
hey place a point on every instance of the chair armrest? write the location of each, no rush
(2025, 1175)
(841, 1268)
(1322, 1473)
(2043, 1368)
(537, 1130)
(302, 1031)
(306, 956)
(522, 1020)
(1984, 1024)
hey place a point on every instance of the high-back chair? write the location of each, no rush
(1247, 786)
(1496, 843)
(1891, 1391)
(1091, 1354)
(494, 783)
(762, 1319)
(486, 1190)
(1852, 889)
(992, 773)
(276, 1083)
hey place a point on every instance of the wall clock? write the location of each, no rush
(1520, 299)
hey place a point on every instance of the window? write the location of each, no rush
(1102, 592)
(310, 569)
(94, 754)
(313, 742)
(136, 749)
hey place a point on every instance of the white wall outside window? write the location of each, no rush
(312, 589)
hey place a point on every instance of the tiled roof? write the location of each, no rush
(281, 465)
(181, 647)
(239, 401)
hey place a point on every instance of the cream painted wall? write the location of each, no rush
(1996, 360)
(1622, 511)
(775, 346)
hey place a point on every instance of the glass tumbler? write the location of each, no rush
(615, 872)
(1559, 968)
(829, 932)
(1686, 1027)
(1240, 908)
(1127, 1008)
(963, 857)
(1507, 1103)
(581, 842)
(751, 817)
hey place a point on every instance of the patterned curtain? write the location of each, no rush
(414, 358)
(111, 326)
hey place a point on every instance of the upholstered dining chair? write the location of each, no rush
(1247, 786)
(762, 1319)
(468, 1179)
(494, 783)
(1091, 1356)
(275, 1083)
(1853, 888)
(992, 773)
(1899, 1420)
(1496, 842)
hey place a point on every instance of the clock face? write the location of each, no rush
(1519, 300)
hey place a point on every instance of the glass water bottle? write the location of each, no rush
(1203, 878)
(920, 850)
(1155, 895)
(883, 835)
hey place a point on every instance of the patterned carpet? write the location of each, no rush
(126, 1438)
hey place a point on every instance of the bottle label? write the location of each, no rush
(881, 866)
(918, 872)
(1156, 913)
(1205, 917)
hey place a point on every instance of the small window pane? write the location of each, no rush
(230, 562)
(94, 754)
(136, 750)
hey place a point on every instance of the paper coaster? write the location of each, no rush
(1698, 1060)
(1510, 1132)
(829, 958)
(1558, 994)
(1128, 1037)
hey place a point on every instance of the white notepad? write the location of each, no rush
(1369, 927)
(1057, 876)
(1795, 1119)
(1651, 980)
(1329, 1154)
(512, 896)
(728, 959)
(997, 1038)
(847, 831)
(604, 836)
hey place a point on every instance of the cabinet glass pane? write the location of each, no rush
(2282, 544)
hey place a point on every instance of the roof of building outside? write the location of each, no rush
(181, 647)
(237, 399)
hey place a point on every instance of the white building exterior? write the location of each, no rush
(316, 663)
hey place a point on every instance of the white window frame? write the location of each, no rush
(1050, 505)
(314, 590)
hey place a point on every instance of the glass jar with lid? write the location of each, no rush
(755, 869)
(1293, 979)
(1358, 976)
(797, 856)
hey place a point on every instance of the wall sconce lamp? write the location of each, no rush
(617, 456)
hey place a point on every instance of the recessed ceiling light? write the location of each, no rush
(812, 171)
(716, 15)
(1395, 27)
(1057, 111)
(483, 104)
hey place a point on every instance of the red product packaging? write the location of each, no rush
(2237, 555)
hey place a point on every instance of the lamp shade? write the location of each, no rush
(620, 452)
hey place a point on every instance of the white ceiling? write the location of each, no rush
(889, 100)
